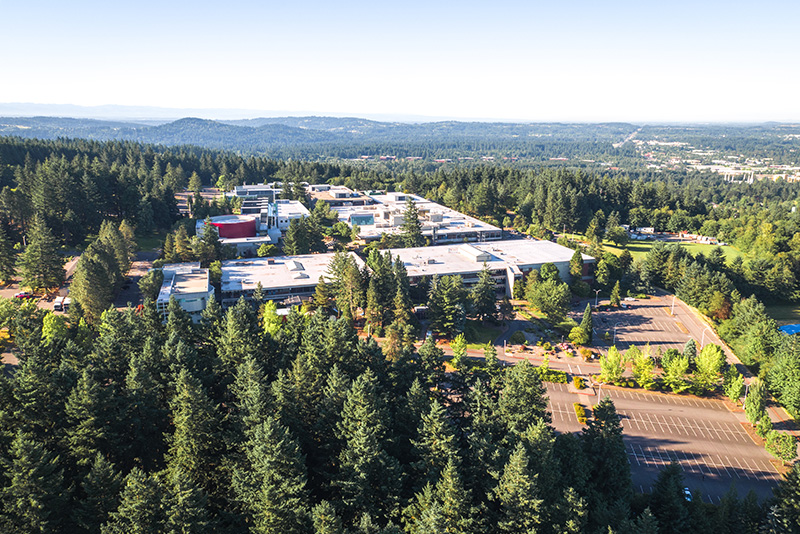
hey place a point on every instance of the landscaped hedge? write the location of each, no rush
(580, 411)
(578, 382)
(552, 375)
(781, 445)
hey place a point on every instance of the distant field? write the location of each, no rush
(784, 313)
(639, 249)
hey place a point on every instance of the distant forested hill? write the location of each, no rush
(312, 137)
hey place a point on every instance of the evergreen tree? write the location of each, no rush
(239, 335)
(86, 420)
(411, 229)
(273, 485)
(690, 351)
(93, 283)
(194, 445)
(368, 477)
(321, 298)
(615, 295)
(576, 266)
(325, 519)
(458, 514)
(41, 263)
(8, 257)
(668, 502)
(141, 509)
(431, 360)
(459, 347)
(610, 474)
(586, 322)
(483, 297)
(518, 496)
(100, 488)
(522, 401)
(435, 446)
(35, 498)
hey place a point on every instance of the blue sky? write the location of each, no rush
(541, 61)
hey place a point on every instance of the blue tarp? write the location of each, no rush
(790, 329)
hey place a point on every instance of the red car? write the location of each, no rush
(23, 295)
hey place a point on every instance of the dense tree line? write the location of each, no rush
(236, 425)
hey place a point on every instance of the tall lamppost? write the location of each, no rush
(673, 306)
(596, 296)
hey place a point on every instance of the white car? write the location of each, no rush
(629, 299)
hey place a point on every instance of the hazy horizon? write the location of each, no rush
(123, 113)
(537, 61)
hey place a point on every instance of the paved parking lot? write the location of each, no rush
(702, 435)
(645, 321)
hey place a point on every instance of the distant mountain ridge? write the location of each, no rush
(266, 133)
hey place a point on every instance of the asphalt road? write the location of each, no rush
(702, 435)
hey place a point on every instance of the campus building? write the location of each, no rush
(238, 231)
(385, 214)
(188, 284)
(287, 279)
(508, 261)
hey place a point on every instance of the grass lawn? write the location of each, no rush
(478, 334)
(639, 249)
(784, 313)
(150, 242)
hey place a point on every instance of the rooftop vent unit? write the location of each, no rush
(295, 265)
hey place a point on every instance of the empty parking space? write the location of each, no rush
(701, 435)
(643, 322)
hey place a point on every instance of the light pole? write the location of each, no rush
(596, 296)
(614, 341)
(673, 306)
(599, 389)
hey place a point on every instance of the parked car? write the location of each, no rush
(23, 295)
(687, 494)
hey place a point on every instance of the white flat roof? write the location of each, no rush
(462, 259)
(445, 220)
(276, 272)
(290, 208)
(184, 283)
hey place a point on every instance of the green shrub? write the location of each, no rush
(782, 445)
(764, 427)
(578, 382)
(552, 375)
(547, 346)
(517, 338)
(580, 411)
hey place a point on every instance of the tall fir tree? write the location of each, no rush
(411, 229)
(483, 296)
(369, 478)
(41, 263)
(518, 496)
(586, 322)
(272, 485)
(196, 443)
(35, 498)
(8, 257)
(100, 495)
(141, 509)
